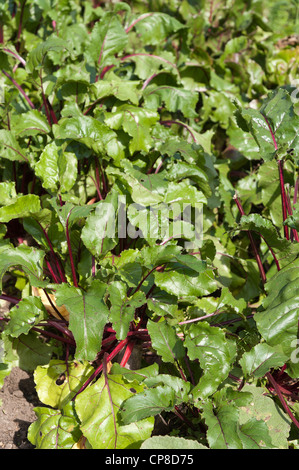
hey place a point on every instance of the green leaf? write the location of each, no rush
(215, 353)
(88, 316)
(31, 123)
(264, 227)
(260, 359)
(23, 206)
(38, 54)
(90, 132)
(184, 282)
(27, 313)
(58, 169)
(57, 383)
(8, 193)
(171, 442)
(54, 429)
(123, 90)
(108, 37)
(99, 233)
(148, 403)
(175, 99)
(123, 307)
(28, 258)
(137, 122)
(277, 321)
(278, 110)
(156, 26)
(266, 410)
(98, 410)
(10, 148)
(27, 351)
(165, 341)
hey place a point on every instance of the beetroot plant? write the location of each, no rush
(149, 222)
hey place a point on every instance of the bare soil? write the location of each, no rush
(18, 398)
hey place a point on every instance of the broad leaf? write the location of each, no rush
(57, 382)
(98, 410)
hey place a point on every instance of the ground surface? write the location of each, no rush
(18, 398)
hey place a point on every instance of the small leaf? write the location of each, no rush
(165, 341)
(57, 383)
(123, 307)
(215, 353)
(25, 315)
(54, 429)
(259, 360)
(23, 206)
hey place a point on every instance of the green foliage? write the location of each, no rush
(149, 217)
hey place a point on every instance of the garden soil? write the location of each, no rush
(18, 398)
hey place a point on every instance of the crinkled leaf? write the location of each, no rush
(263, 408)
(90, 132)
(175, 99)
(137, 122)
(10, 148)
(157, 26)
(25, 315)
(150, 402)
(108, 37)
(99, 233)
(23, 206)
(31, 123)
(171, 442)
(123, 307)
(58, 169)
(215, 353)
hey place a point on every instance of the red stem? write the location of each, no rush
(19, 88)
(111, 356)
(253, 245)
(128, 352)
(283, 198)
(281, 398)
(70, 251)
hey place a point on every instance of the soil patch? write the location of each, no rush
(18, 398)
